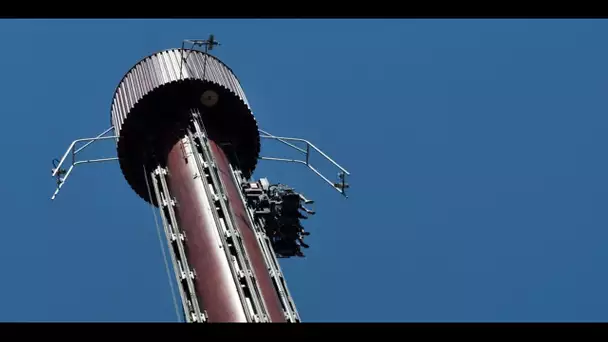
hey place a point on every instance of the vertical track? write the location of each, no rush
(175, 240)
(250, 294)
(273, 292)
(274, 269)
(217, 274)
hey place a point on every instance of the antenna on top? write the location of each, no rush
(208, 43)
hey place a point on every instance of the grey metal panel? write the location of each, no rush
(163, 68)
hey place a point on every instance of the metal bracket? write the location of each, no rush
(62, 174)
(339, 186)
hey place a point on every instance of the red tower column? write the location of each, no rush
(215, 284)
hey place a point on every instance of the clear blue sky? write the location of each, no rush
(477, 151)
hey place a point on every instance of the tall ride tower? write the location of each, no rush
(188, 143)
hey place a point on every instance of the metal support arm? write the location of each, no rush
(62, 174)
(340, 186)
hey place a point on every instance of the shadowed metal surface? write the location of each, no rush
(149, 110)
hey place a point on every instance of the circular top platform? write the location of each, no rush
(154, 99)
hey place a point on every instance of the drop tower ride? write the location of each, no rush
(188, 143)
